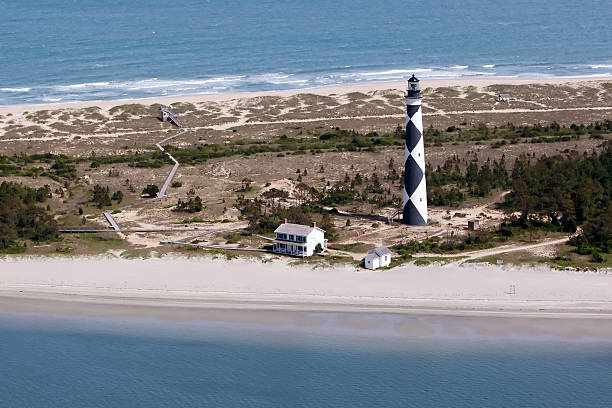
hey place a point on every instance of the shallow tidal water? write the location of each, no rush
(59, 361)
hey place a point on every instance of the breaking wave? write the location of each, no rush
(153, 87)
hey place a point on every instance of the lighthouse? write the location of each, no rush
(415, 192)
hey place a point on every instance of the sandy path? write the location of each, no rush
(230, 125)
(471, 255)
(506, 249)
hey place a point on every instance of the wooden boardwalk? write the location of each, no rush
(111, 221)
(78, 231)
(167, 114)
(170, 116)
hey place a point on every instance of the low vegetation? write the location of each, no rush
(450, 184)
(192, 205)
(22, 218)
(61, 167)
(567, 193)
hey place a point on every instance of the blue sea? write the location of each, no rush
(59, 361)
(75, 50)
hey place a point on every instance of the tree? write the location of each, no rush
(275, 193)
(196, 205)
(303, 193)
(246, 185)
(22, 218)
(118, 196)
(327, 224)
(101, 196)
(190, 206)
(151, 190)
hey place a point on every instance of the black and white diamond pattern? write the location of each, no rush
(413, 174)
(413, 136)
(412, 109)
(415, 194)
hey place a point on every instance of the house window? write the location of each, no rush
(291, 238)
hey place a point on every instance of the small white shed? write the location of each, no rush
(378, 258)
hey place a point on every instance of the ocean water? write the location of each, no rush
(74, 50)
(57, 361)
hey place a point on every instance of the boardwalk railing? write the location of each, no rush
(167, 114)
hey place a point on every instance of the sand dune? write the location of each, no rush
(328, 90)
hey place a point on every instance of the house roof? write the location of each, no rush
(379, 252)
(296, 229)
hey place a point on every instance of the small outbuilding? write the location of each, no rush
(473, 225)
(503, 97)
(378, 258)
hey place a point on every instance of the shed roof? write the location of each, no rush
(296, 229)
(380, 251)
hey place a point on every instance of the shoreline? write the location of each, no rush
(310, 319)
(140, 306)
(324, 91)
(196, 285)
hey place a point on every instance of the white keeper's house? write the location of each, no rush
(377, 258)
(298, 240)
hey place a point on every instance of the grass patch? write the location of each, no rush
(198, 219)
(191, 220)
(355, 247)
(98, 243)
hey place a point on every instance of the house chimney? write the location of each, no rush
(285, 220)
(314, 225)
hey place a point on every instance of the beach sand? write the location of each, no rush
(328, 90)
(181, 288)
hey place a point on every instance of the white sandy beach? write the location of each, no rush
(328, 90)
(246, 284)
